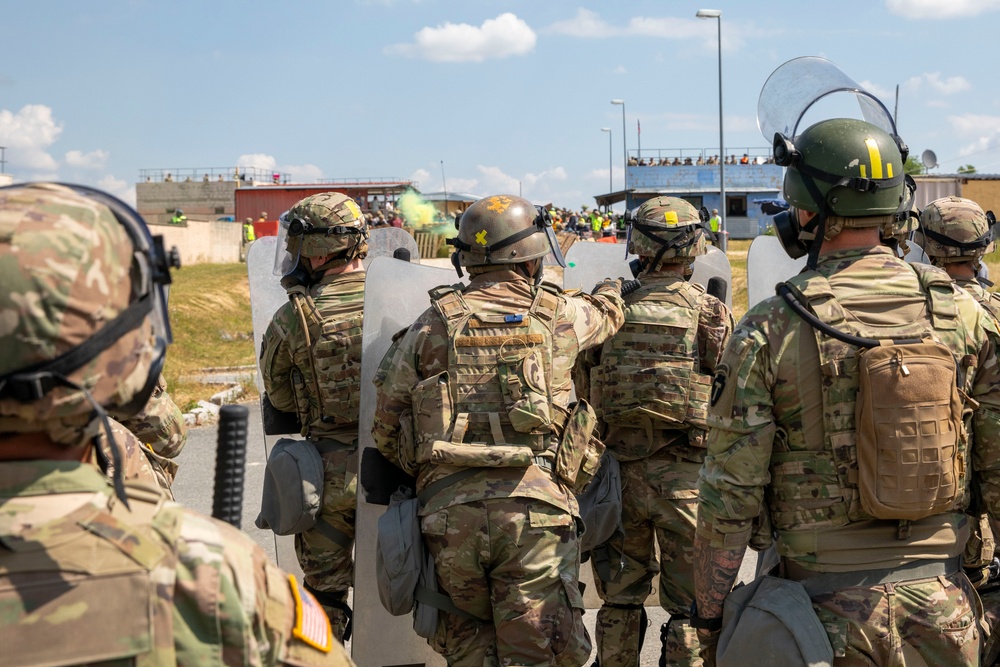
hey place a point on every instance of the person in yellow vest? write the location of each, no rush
(248, 237)
(713, 226)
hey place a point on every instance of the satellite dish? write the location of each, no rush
(929, 159)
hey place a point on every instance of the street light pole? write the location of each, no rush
(624, 149)
(611, 186)
(717, 15)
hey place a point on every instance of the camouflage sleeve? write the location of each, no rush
(139, 463)
(986, 422)
(585, 361)
(276, 359)
(741, 433)
(715, 325)
(420, 353)
(160, 424)
(233, 607)
(593, 318)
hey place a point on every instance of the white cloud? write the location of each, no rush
(940, 9)
(877, 90)
(620, 70)
(28, 134)
(118, 188)
(588, 24)
(506, 35)
(933, 80)
(95, 159)
(297, 173)
(984, 131)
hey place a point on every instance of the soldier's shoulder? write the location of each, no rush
(249, 586)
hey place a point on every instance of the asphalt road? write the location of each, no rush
(194, 484)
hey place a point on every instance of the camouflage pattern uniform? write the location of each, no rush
(944, 224)
(765, 449)
(214, 597)
(161, 430)
(310, 362)
(504, 540)
(85, 579)
(783, 457)
(660, 450)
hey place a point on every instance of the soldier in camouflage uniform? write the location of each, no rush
(99, 572)
(310, 362)
(160, 427)
(956, 233)
(649, 385)
(473, 400)
(784, 445)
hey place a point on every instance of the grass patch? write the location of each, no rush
(210, 318)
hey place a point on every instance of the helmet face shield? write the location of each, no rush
(544, 222)
(286, 258)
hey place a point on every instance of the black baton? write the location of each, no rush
(230, 464)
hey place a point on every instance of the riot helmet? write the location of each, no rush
(847, 171)
(83, 297)
(503, 229)
(954, 229)
(329, 223)
(897, 233)
(666, 230)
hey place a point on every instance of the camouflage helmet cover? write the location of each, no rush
(954, 229)
(666, 221)
(853, 167)
(68, 268)
(327, 223)
(486, 227)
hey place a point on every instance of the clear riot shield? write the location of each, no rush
(384, 241)
(589, 263)
(395, 295)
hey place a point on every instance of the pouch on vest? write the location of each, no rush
(399, 553)
(601, 504)
(909, 431)
(432, 414)
(522, 380)
(771, 621)
(293, 488)
(579, 454)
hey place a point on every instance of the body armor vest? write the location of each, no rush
(327, 373)
(815, 483)
(988, 300)
(650, 374)
(82, 589)
(498, 388)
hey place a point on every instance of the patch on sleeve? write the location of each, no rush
(311, 624)
(719, 382)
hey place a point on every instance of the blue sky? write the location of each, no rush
(507, 94)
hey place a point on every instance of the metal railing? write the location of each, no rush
(369, 180)
(700, 156)
(210, 174)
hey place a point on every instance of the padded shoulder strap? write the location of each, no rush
(449, 304)
(941, 291)
(817, 293)
(546, 304)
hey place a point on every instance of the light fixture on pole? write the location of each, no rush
(624, 147)
(717, 15)
(611, 186)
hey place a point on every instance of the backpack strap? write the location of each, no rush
(814, 289)
(545, 304)
(941, 293)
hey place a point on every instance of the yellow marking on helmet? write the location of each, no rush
(353, 207)
(498, 203)
(864, 171)
(875, 157)
(670, 217)
(888, 169)
(481, 237)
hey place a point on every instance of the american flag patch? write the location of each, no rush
(311, 624)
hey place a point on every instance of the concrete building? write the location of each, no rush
(746, 185)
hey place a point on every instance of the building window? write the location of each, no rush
(219, 210)
(736, 206)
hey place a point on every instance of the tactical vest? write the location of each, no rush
(94, 587)
(650, 372)
(815, 485)
(327, 373)
(493, 406)
(988, 300)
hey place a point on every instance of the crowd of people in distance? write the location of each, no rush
(699, 161)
